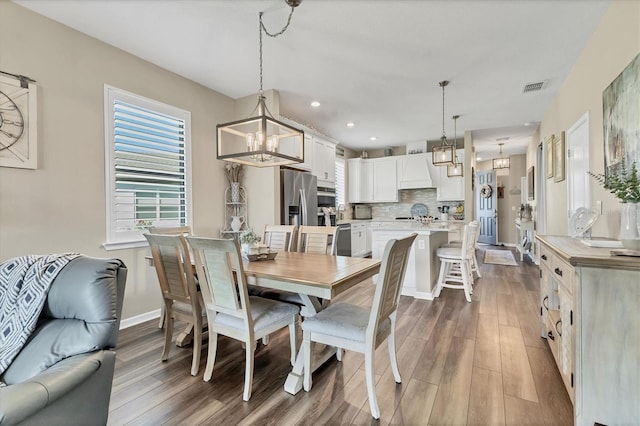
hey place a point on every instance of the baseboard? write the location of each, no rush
(423, 295)
(139, 319)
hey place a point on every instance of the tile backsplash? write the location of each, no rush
(406, 199)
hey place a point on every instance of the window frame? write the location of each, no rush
(134, 238)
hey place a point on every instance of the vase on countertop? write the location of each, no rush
(629, 226)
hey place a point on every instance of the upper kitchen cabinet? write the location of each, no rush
(447, 188)
(372, 181)
(413, 171)
(324, 162)
(385, 187)
(360, 174)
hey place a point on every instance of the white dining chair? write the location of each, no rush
(474, 260)
(168, 230)
(316, 239)
(179, 292)
(455, 264)
(230, 310)
(279, 237)
(362, 329)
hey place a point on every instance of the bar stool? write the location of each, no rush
(474, 260)
(455, 264)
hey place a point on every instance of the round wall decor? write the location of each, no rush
(486, 191)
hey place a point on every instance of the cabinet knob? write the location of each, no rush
(558, 271)
(551, 336)
(543, 257)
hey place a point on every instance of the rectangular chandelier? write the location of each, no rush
(455, 170)
(260, 141)
(443, 155)
(500, 163)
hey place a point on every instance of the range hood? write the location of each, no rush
(414, 172)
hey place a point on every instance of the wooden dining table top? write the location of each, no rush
(314, 274)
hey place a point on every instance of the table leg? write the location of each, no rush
(293, 384)
(185, 337)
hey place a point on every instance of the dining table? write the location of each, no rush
(316, 278)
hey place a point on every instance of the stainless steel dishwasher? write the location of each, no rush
(343, 240)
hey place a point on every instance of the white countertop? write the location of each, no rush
(412, 226)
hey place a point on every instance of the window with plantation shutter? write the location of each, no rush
(148, 167)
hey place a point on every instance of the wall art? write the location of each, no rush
(18, 123)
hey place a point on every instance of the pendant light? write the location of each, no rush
(261, 141)
(455, 170)
(501, 162)
(443, 155)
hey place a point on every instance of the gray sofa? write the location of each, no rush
(63, 374)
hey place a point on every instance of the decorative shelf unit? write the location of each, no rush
(235, 206)
(525, 238)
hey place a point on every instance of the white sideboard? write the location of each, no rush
(590, 316)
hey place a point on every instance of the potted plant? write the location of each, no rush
(250, 241)
(625, 185)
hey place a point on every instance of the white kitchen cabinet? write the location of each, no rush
(324, 162)
(359, 240)
(447, 188)
(372, 181)
(360, 180)
(413, 171)
(385, 185)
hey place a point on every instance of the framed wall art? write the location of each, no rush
(621, 119)
(548, 149)
(558, 158)
(18, 123)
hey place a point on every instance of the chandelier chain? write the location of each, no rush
(261, 28)
(444, 137)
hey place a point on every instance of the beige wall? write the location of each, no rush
(61, 206)
(613, 45)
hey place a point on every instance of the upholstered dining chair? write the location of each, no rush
(179, 292)
(230, 310)
(361, 329)
(316, 239)
(279, 237)
(169, 230)
(455, 264)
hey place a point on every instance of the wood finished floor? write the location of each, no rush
(480, 363)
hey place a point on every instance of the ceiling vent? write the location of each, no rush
(534, 87)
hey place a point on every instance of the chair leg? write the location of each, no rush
(339, 354)
(371, 384)
(306, 353)
(293, 327)
(465, 280)
(162, 318)
(443, 266)
(391, 342)
(168, 333)
(211, 356)
(248, 372)
(197, 344)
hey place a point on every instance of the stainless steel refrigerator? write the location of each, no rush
(299, 195)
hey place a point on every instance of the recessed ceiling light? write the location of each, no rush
(373, 138)
(351, 124)
(315, 104)
(479, 158)
(527, 124)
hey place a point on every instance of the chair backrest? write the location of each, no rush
(173, 265)
(279, 237)
(477, 234)
(171, 230)
(219, 268)
(316, 239)
(387, 293)
(469, 237)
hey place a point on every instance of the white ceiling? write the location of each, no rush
(374, 62)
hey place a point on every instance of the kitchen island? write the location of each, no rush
(423, 265)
